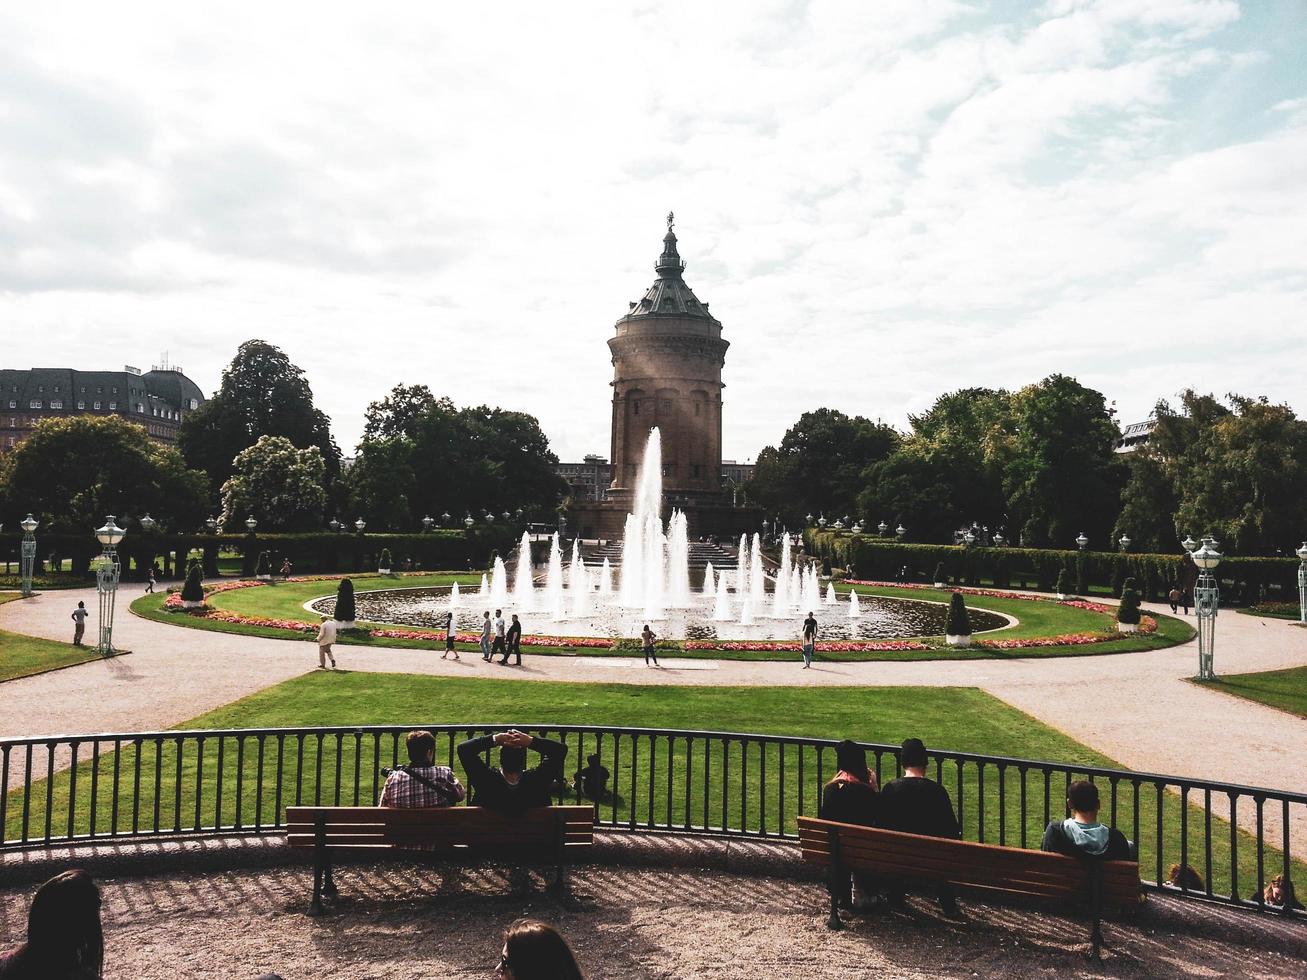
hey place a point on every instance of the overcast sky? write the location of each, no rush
(882, 201)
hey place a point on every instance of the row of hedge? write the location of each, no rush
(320, 552)
(1242, 580)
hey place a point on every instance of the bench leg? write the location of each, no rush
(328, 882)
(838, 883)
(320, 866)
(1096, 940)
(315, 906)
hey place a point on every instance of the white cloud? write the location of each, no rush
(881, 201)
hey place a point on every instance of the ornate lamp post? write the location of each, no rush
(1124, 542)
(969, 538)
(1082, 541)
(211, 524)
(883, 528)
(1206, 602)
(251, 524)
(468, 522)
(900, 531)
(107, 571)
(1302, 583)
(360, 524)
(445, 518)
(427, 522)
(857, 527)
(29, 524)
(998, 539)
(334, 525)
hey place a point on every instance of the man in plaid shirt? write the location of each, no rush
(422, 783)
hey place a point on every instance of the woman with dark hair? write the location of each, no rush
(536, 951)
(64, 940)
(853, 796)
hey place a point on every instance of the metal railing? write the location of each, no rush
(76, 789)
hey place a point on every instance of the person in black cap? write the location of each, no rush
(851, 797)
(913, 804)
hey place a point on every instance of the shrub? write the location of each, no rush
(939, 573)
(344, 602)
(1002, 574)
(1118, 579)
(1128, 611)
(384, 561)
(1063, 581)
(265, 564)
(1128, 583)
(193, 589)
(959, 623)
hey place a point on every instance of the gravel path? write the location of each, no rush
(395, 921)
(1138, 708)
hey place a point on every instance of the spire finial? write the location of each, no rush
(671, 219)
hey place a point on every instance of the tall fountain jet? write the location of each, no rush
(655, 566)
(523, 591)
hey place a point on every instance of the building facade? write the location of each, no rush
(157, 400)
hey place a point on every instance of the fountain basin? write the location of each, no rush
(880, 617)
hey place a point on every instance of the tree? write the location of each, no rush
(820, 464)
(1148, 503)
(1063, 475)
(193, 588)
(1237, 473)
(344, 611)
(73, 472)
(279, 485)
(443, 458)
(948, 472)
(397, 414)
(1128, 611)
(261, 394)
(958, 623)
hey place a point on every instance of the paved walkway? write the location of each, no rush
(1137, 708)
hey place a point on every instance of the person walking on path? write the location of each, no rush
(79, 618)
(485, 636)
(809, 639)
(285, 568)
(1173, 597)
(514, 645)
(1184, 600)
(449, 637)
(326, 637)
(647, 636)
(498, 646)
(149, 582)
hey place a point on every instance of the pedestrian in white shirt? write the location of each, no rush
(326, 637)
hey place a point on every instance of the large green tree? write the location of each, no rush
(72, 472)
(1063, 476)
(277, 484)
(421, 455)
(820, 464)
(262, 394)
(1237, 472)
(948, 472)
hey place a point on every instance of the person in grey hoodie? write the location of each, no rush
(1081, 835)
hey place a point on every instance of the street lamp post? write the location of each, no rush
(1206, 603)
(1302, 583)
(427, 522)
(29, 524)
(1124, 542)
(107, 571)
(1082, 541)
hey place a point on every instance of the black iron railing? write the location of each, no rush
(181, 783)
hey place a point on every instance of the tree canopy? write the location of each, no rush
(72, 472)
(276, 483)
(421, 455)
(262, 394)
(818, 467)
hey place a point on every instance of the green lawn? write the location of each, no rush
(22, 656)
(659, 780)
(285, 601)
(1283, 689)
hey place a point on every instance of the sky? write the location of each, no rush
(882, 201)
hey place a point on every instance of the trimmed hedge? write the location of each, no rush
(1128, 611)
(1243, 580)
(958, 622)
(344, 612)
(311, 553)
(193, 590)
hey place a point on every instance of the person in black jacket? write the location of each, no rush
(512, 788)
(913, 804)
(1081, 835)
(514, 644)
(851, 797)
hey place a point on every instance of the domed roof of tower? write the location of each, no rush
(670, 295)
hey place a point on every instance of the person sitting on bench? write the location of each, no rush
(1081, 835)
(851, 797)
(913, 804)
(512, 788)
(422, 783)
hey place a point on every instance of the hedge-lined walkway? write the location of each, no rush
(1138, 708)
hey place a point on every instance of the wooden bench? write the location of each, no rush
(553, 835)
(1001, 872)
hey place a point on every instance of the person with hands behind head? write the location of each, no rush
(512, 788)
